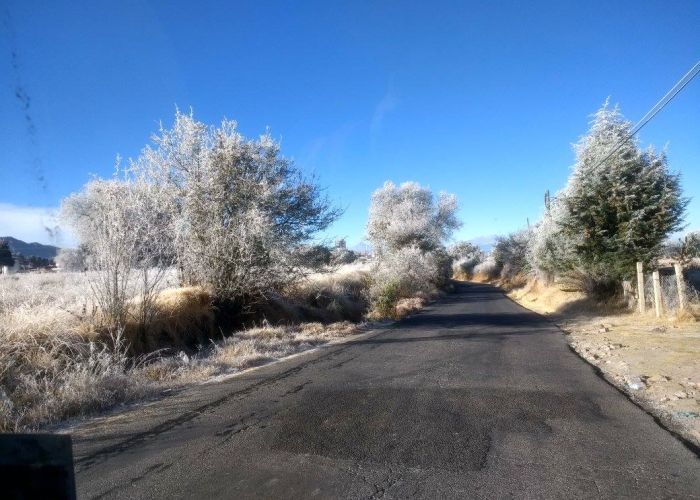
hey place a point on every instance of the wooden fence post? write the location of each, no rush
(657, 292)
(640, 287)
(679, 283)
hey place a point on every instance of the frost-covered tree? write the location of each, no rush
(685, 249)
(510, 253)
(410, 215)
(72, 259)
(551, 252)
(340, 256)
(240, 211)
(122, 225)
(314, 256)
(466, 250)
(6, 258)
(622, 210)
(466, 256)
(408, 227)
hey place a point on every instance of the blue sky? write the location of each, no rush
(482, 99)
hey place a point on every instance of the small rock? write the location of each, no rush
(603, 330)
(659, 329)
(635, 384)
(680, 395)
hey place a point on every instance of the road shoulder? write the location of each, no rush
(655, 363)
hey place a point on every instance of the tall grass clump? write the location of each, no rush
(52, 367)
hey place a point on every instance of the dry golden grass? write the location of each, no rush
(184, 317)
(479, 278)
(460, 275)
(545, 299)
(259, 345)
(332, 296)
(246, 349)
(404, 307)
(56, 362)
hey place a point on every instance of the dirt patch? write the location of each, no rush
(657, 364)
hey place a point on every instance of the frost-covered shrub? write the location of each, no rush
(415, 270)
(405, 273)
(385, 297)
(550, 251)
(465, 257)
(464, 268)
(342, 256)
(410, 215)
(685, 249)
(314, 256)
(488, 268)
(466, 250)
(122, 224)
(72, 259)
(443, 264)
(408, 227)
(510, 254)
(234, 213)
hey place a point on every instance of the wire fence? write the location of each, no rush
(670, 299)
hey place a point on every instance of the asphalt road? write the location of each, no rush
(474, 397)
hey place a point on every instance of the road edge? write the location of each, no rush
(663, 420)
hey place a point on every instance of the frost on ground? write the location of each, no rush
(246, 349)
(655, 361)
(54, 364)
(58, 363)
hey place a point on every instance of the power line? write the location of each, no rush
(680, 85)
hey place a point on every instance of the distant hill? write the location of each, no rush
(30, 249)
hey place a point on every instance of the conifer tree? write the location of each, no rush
(619, 211)
(6, 258)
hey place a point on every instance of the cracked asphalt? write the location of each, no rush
(473, 397)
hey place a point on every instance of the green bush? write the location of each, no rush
(385, 301)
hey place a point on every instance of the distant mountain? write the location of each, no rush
(30, 249)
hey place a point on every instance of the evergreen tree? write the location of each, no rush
(6, 258)
(620, 211)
